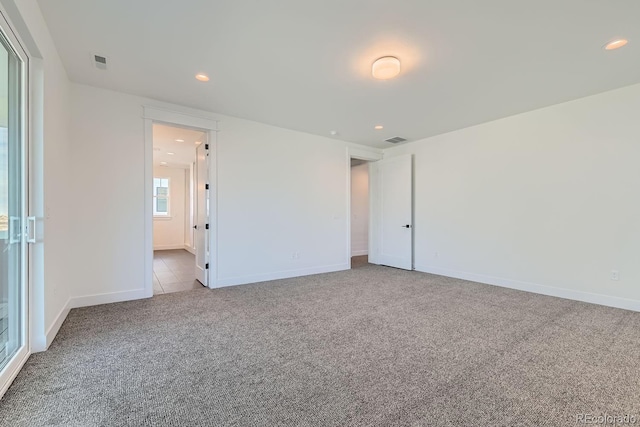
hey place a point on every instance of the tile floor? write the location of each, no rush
(359, 261)
(174, 271)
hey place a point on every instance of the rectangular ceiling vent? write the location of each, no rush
(396, 139)
(100, 62)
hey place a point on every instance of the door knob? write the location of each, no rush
(406, 226)
(195, 227)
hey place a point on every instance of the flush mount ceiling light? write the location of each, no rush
(179, 140)
(170, 153)
(615, 44)
(163, 163)
(378, 127)
(386, 68)
(202, 77)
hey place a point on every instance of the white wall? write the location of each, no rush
(50, 174)
(280, 192)
(110, 218)
(546, 200)
(360, 209)
(168, 233)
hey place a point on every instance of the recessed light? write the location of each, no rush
(333, 133)
(615, 44)
(179, 140)
(170, 153)
(378, 127)
(202, 77)
(386, 68)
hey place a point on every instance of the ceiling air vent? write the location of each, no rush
(395, 140)
(100, 62)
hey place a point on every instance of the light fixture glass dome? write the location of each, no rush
(386, 67)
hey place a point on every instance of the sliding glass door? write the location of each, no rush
(13, 239)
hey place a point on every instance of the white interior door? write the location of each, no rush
(201, 226)
(394, 234)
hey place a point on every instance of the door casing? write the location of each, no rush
(151, 115)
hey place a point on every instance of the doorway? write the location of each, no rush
(180, 208)
(359, 213)
(154, 116)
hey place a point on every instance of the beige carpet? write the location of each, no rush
(373, 346)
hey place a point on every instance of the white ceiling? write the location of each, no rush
(165, 142)
(306, 65)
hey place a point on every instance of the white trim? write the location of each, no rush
(606, 300)
(360, 252)
(287, 274)
(42, 343)
(163, 115)
(153, 115)
(348, 216)
(212, 161)
(168, 247)
(190, 249)
(108, 298)
(363, 152)
(148, 207)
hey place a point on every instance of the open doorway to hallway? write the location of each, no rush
(359, 213)
(175, 208)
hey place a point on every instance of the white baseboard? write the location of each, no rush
(243, 280)
(360, 253)
(57, 323)
(108, 298)
(168, 247)
(607, 300)
(190, 249)
(43, 343)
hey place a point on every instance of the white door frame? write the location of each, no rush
(159, 115)
(360, 153)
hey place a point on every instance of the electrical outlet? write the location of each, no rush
(615, 275)
(295, 255)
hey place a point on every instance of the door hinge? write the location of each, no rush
(206, 186)
(206, 146)
(206, 266)
(206, 226)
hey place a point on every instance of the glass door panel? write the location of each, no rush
(12, 208)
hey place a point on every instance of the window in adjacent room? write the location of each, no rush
(161, 197)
